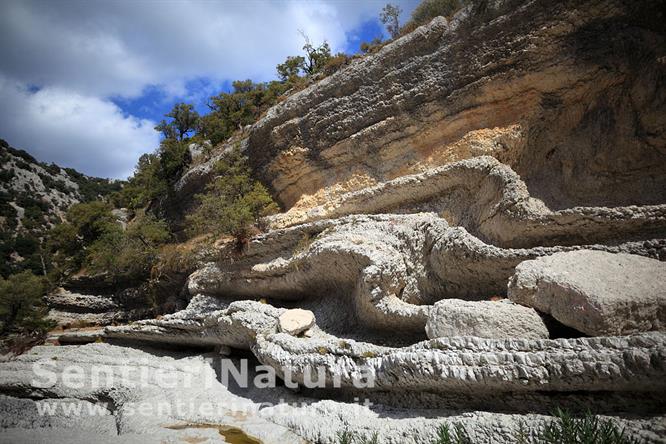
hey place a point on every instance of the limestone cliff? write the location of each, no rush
(569, 94)
(516, 150)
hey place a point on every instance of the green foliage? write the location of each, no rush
(55, 184)
(146, 184)
(313, 62)
(26, 245)
(588, 429)
(184, 120)
(174, 158)
(91, 219)
(94, 239)
(233, 202)
(456, 436)
(345, 437)
(389, 16)
(243, 106)
(335, 63)
(92, 188)
(129, 253)
(7, 211)
(374, 439)
(66, 243)
(316, 57)
(564, 429)
(22, 308)
(429, 9)
(372, 46)
(20, 153)
(291, 68)
(7, 175)
(64, 249)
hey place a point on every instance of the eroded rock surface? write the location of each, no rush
(379, 271)
(519, 138)
(492, 202)
(117, 418)
(484, 319)
(171, 389)
(595, 292)
(551, 89)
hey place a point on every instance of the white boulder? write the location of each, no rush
(484, 319)
(595, 292)
(296, 321)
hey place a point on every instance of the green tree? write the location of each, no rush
(389, 16)
(314, 61)
(90, 219)
(64, 249)
(167, 129)
(174, 158)
(242, 106)
(290, 69)
(22, 308)
(233, 202)
(146, 184)
(184, 120)
(129, 253)
(315, 57)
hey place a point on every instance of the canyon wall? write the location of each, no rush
(569, 94)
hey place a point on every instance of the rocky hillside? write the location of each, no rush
(474, 219)
(34, 196)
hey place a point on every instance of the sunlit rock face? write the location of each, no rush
(569, 95)
(475, 221)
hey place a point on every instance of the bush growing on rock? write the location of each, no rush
(129, 253)
(93, 238)
(373, 46)
(174, 157)
(91, 219)
(233, 202)
(429, 9)
(335, 63)
(233, 110)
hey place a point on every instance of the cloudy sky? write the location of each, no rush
(82, 82)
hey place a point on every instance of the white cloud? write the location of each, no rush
(74, 130)
(81, 53)
(119, 47)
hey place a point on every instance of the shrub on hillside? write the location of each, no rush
(90, 219)
(147, 183)
(336, 63)
(429, 9)
(174, 158)
(22, 309)
(233, 203)
(242, 106)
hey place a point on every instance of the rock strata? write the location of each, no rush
(551, 89)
